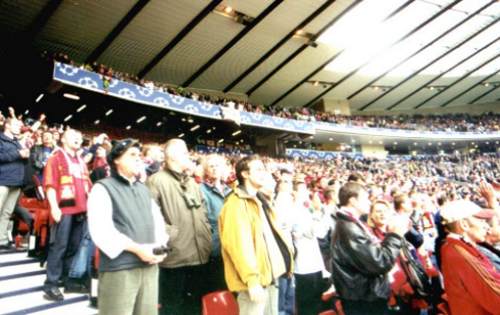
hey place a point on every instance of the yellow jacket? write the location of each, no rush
(246, 261)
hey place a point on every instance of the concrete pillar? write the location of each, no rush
(268, 145)
(371, 150)
(339, 107)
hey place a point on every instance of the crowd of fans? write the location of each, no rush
(280, 232)
(487, 122)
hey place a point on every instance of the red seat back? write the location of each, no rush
(220, 303)
(32, 203)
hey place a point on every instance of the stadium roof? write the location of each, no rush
(379, 55)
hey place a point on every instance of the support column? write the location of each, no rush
(268, 145)
(338, 107)
(377, 151)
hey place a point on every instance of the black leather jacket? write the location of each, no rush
(360, 263)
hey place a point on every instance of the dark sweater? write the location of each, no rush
(11, 163)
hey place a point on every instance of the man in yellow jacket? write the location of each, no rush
(254, 252)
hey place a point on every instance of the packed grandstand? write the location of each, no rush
(128, 193)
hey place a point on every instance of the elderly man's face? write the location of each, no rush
(130, 162)
(214, 168)
(477, 229)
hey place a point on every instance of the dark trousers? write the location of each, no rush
(65, 238)
(25, 216)
(181, 289)
(286, 300)
(378, 307)
(308, 291)
(215, 275)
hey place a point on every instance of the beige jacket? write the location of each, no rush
(190, 237)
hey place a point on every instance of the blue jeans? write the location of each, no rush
(65, 239)
(82, 262)
(286, 302)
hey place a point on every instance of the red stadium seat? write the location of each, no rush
(220, 303)
(41, 216)
(334, 298)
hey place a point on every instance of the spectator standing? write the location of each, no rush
(215, 191)
(40, 154)
(360, 262)
(126, 225)
(285, 206)
(309, 265)
(471, 281)
(12, 159)
(185, 215)
(254, 252)
(67, 184)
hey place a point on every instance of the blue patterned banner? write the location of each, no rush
(320, 155)
(89, 80)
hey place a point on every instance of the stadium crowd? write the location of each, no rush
(487, 122)
(282, 233)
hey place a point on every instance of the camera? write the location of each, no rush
(162, 250)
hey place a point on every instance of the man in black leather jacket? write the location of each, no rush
(361, 263)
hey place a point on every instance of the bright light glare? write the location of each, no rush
(365, 37)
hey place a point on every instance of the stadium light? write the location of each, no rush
(108, 112)
(71, 96)
(81, 108)
(39, 98)
(140, 119)
(194, 128)
(237, 132)
(68, 117)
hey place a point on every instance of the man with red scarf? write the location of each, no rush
(67, 183)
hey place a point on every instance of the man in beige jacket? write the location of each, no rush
(183, 207)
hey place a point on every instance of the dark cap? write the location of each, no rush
(120, 147)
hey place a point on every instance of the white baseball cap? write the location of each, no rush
(462, 209)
